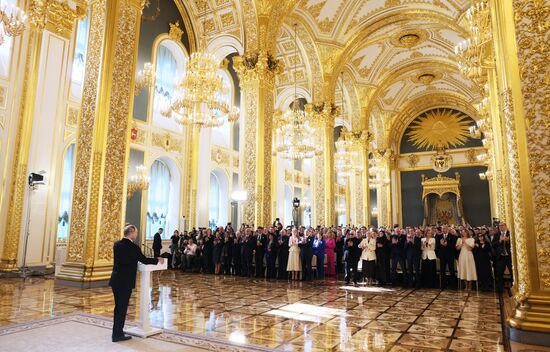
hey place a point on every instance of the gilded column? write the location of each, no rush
(257, 79)
(56, 17)
(521, 30)
(361, 141)
(102, 144)
(323, 177)
(386, 160)
(193, 176)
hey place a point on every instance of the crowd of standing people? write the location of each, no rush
(431, 257)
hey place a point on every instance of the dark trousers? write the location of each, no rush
(271, 271)
(156, 252)
(397, 259)
(339, 262)
(259, 262)
(320, 265)
(351, 271)
(445, 263)
(503, 262)
(429, 276)
(413, 277)
(306, 265)
(122, 297)
(247, 264)
(237, 260)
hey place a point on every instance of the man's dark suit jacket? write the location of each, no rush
(157, 242)
(126, 256)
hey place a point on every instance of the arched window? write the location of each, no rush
(222, 135)
(218, 205)
(158, 199)
(65, 199)
(170, 67)
(79, 59)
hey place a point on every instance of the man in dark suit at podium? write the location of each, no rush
(123, 278)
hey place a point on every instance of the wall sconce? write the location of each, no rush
(374, 212)
(239, 196)
(487, 175)
(145, 78)
(138, 182)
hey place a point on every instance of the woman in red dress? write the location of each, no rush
(329, 249)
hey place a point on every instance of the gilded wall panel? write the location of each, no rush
(533, 36)
(115, 158)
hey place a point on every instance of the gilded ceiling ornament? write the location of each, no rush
(408, 38)
(439, 129)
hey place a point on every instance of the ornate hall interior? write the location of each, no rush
(331, 119)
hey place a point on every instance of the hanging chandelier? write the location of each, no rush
(12, 21)
(343, 158)
(199, 96)
(294, 133)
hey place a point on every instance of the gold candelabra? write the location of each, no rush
(138, 182)
(12, 21)
(145, 78)
(474, 54)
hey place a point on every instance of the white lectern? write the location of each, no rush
(144, 328)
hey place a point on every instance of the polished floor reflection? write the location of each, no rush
(318, 316)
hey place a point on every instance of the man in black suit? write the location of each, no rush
(283, 254)
(259, 252)
(307, 255)
(445, 247)
(123, 278)
(157, 243)
(398, 240)
(413, 254)
(352, 253)
(503, 255)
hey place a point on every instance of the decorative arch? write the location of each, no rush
(286, 97)
(225, 45)
(424, 103)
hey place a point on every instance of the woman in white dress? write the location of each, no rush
(294, 265)
(429, 276)
(466, 262)
(368, 257)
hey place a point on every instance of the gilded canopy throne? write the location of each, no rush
(442, 201)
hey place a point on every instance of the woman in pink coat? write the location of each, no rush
(329, 249)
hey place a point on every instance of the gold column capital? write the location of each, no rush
(257, 66)
(57, 17)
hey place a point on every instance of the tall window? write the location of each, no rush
(222, 135)
(159, 198)
(214, 203)
(170, 66)
(65, 200)
(218, 204)
(79, 60)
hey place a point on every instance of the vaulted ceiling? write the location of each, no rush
(391, 52)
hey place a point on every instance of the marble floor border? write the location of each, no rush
(167, 335)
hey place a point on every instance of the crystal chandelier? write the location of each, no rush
(474, 53)
(199, 96)
(344, 156)
(376, 173)
(12, 21)
(294, 133)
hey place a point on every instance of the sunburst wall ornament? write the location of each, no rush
(440, 129)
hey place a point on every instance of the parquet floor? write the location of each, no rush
(316, 316)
